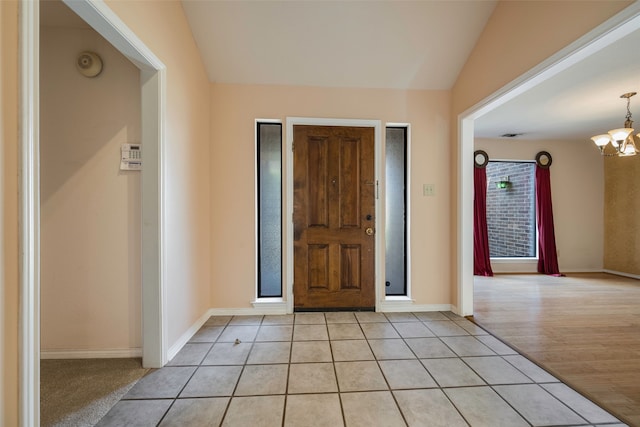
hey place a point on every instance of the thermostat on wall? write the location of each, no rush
(131, 157)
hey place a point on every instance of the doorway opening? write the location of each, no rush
(152, 78)
(602, 36)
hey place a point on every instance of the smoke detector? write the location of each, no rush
(89, 64)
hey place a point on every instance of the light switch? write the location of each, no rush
(428, 189)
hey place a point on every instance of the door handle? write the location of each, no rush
(369, 231)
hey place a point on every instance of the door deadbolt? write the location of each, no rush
(369, 231)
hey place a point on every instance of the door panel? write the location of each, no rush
(349, 183)
(334, 205)
(350, 266)
(317, 165)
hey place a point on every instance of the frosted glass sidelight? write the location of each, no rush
(269, 210)
(395, 203)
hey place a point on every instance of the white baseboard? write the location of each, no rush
(454, 310)
(620, 273)
(280, 308)
(257, 310)
(535, 270)
(187, 335)
(403, 306)
(119, 353)
(270, 306)
(581, 270)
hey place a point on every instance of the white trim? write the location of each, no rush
(409, 306)
(154, 316)
(581, 270)
(256, 311)
(403, 298)
(108, 24)
(379, 206)
(535, 271)
(29, 193)
(153, 92)
(514, 265)
(623, 274)
(270, 305)
(511, 161)
(98, 15)
(615, 28)
(383, 195)
(116, 353)
(187, 335)
(464, 264)
(256, 177)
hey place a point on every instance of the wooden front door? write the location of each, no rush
(333, 217)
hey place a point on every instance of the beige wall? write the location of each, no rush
(510, 45)
(577, 188)
(518, 36)
(9, 213)
(163, 27)
(621, 214)
(521, 34)
(90, 210)
(187, 178)
(233, 114)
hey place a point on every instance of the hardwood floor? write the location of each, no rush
(583, 328)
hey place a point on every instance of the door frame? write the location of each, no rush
(153, 89)
(288, 208)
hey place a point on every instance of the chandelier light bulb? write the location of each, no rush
(622, 139)
(601, 140)
(620, 134)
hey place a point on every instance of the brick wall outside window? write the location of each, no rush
(511, 211)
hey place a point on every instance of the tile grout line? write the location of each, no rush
(439, 387)
(378, 361)
(335, 372)
(246, 359)
(393, 396)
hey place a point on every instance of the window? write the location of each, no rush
(395, 204)
(269, 165)
(511, 216)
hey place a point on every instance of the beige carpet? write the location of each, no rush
(80, 392)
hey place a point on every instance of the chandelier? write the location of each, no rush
(621, 139)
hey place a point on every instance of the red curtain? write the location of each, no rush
(547, 255)
(481, 259)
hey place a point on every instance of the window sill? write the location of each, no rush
(266, 301)
(513, 260)
(398, 298)
(514, 265)
(270, 305)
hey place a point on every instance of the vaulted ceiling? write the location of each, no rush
(362, 44)
(398, 45)
(404, 45)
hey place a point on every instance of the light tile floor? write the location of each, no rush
(354, 369)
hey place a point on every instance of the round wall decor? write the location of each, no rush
(543, 159)
(480, 158)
